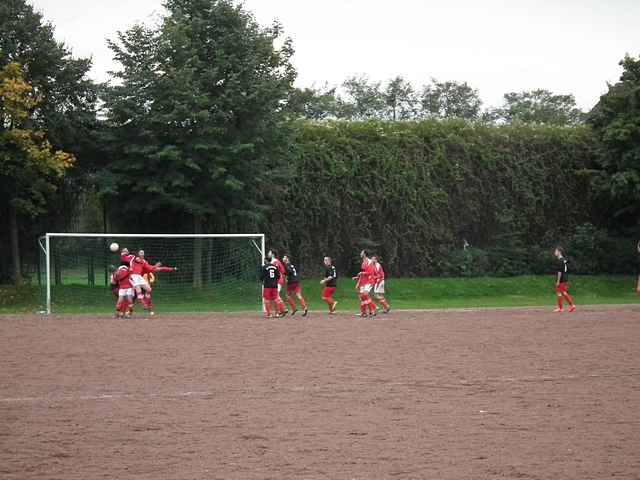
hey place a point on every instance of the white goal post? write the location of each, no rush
(216, 272)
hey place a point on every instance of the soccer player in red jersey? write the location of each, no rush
(138, 266)
(149, 277)
(364, 285)
(330, 282)
(378, 284)
(270, 276)
(120, 277)
(293, 286)
(273, 254)
(562, 279)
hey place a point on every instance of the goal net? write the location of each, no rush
(216, 272)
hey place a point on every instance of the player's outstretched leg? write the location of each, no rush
(303, 304)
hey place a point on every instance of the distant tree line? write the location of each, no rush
(360, 98)
(202, 129)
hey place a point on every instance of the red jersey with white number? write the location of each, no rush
(121, 278)
(280, 266)
(378, 274)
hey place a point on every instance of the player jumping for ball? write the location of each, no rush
(378, 284)
(138, 267)
(364, 285)
(293, 287)
(270, 275)
(330, 283)
(562, 279)
(121, 278)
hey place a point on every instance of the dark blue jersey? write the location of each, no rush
(331, 273)
(563, 269)
(292, 274)
(269, 276)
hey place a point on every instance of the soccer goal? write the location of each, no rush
(216, 272)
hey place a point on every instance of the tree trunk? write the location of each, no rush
(197, 252)
(15, 246)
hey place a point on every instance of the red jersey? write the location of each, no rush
(283, 272)
(378, 274)
(367, 273)
(121, 278)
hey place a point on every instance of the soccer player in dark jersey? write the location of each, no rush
(330, 282)
(293, 286)
(270, 275)
(562, 281)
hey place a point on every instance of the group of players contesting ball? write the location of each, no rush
(132, 281)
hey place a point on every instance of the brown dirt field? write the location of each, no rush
(440, 394)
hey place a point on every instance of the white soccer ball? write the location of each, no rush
(114, 247)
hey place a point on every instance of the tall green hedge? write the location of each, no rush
(414, 191)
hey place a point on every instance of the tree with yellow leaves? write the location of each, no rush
(30, 168)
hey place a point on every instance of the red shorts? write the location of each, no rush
(270, 293)
(328, 292)
(293, 288)
(562, 288)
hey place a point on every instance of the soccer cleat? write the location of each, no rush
(558, 310)
(572, 308)
(373, 314)
(386, 310)
(304, 314)
(293, 312)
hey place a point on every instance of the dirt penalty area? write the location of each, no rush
(521, 393)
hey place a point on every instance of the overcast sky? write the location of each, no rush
(497, 46)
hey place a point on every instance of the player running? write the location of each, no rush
(562, 278)
(293, 286)
(330, 282)
(364, 285)
(270, 276)
(378, 284)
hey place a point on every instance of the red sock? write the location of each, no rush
(267, 307)
(560, 302)
(291, 302)
(302, 303)
(328, 301)
(568, 298)
(383, 302)
(279, 305)
(371, 305)
(363, 304)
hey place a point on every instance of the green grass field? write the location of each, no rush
(406, 293)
